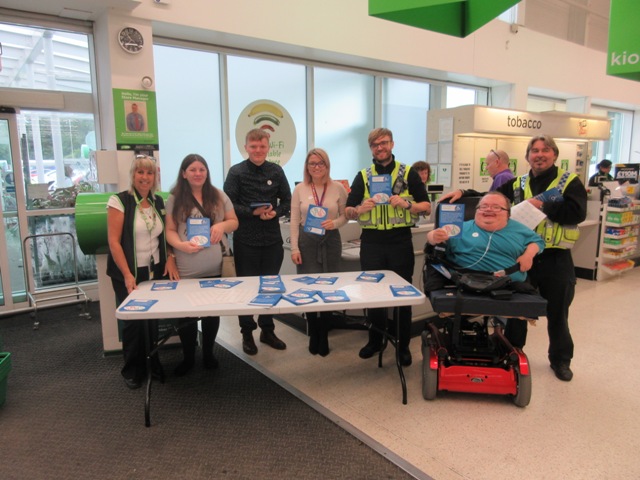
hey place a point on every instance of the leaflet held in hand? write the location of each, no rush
(199, 231)
(315, 216)
(451, 218)
(380, 188)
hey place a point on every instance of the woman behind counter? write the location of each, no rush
(314, 253)
(137, 252)
(193, 196)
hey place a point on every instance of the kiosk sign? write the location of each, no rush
(623, 59)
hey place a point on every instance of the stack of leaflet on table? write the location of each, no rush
(302, 296)
(326, 280)
(404, 291)
(266, 299)
(271, 284)
(138, 305)
(219, 283)
(370, 277)
(164, 286)
(332, 296)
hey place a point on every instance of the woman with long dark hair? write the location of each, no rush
(194, 197)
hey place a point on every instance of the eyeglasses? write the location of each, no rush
(493, 208)
(384, 143)
(316, 164)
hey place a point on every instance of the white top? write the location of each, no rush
(147, 230)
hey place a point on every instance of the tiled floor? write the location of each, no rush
(585, 429)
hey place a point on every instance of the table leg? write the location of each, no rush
(396, 317)
(147, 400)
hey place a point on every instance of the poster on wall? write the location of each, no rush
(136, 119)
(273, 118)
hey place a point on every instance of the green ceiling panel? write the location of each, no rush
(451, 17)
(623, 59)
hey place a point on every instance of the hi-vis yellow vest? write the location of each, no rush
(553, 234)
(386, 217)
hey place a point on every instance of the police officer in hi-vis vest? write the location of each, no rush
(563, 199)
(386, 199)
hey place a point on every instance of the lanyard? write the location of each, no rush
(145, 217)
(315, 194)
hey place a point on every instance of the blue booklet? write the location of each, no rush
(404, 291)
(259, 204)
(266, 299)
(306, 279)
(551, 195)
(271, 284)
(299, 300)
(219, 283)
(138, 305)
(370, 277)
(451, 218)
(325, 280)
(199, 231)
(380, 188)
(164, 285)
(315, 216)
(304, 292)
(331, 296)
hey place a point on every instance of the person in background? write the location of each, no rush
(602, 175)
(317, 252)
(553, 271)
(498, 168)
(424, 170)
(194, 196)
(386, 240)
(137, 252)
(258, 246)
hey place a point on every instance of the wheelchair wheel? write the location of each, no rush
(523, 397)
(429, 376)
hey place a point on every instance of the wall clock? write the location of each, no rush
(131, 40)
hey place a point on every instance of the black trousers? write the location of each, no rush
(553, 273)
(252, 261)
(400, 259)
(133, 336)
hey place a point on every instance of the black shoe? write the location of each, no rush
(132, 383)
(323, 344)
(248, 345)
(370, 349)
(562, 371)
(183, 368)
(270, 339)
(405, 357)
(209, 361)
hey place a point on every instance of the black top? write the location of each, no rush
(247, 183)
(416, 189)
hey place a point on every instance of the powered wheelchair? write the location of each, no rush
(467, 347)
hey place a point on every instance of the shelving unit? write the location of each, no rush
(618, 250)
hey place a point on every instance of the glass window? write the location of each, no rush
(56, 146)
(458, 96)
(37, 58)
(343, 106)
(251, 80)
(404, 111)
(189, 119)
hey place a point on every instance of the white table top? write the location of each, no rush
(190, 300)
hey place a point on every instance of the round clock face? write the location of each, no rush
(131, 40)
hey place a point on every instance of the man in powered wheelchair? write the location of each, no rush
(476, 282)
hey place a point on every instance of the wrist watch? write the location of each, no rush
(409, 205)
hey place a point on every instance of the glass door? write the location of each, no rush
(12, 291)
